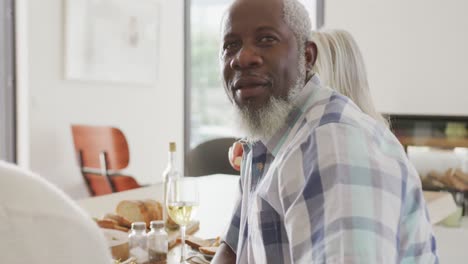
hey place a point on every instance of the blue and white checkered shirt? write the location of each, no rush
(331, 186)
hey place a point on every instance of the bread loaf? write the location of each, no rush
(196, 242)
(134, 211)
(140, 211)
(122, 221)
(111, 224)
(154, 208)
(208, 250)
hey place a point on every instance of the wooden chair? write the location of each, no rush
(102, 151)
(210, 157)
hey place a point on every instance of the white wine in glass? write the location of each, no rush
(182, 204)
(182, 212)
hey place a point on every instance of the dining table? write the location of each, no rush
(217, 197)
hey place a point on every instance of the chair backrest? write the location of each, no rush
(93, 140)
(210, 157)
(101, 152)
(42, 225)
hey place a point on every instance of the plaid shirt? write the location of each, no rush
(331, 186)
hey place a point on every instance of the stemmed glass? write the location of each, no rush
(182, 204)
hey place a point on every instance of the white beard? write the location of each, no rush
(266, 121)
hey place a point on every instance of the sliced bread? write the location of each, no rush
(140, 211)
(134, 211)
(208, 250)
(122, 221)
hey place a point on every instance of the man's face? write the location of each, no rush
(259, 55)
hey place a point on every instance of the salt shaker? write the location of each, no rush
(158, 243)
(138, 242)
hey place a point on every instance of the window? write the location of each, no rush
(209, 113)
(210, 109)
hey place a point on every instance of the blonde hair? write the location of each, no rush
(341, 66)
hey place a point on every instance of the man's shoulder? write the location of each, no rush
(335, 108)
(336, 119)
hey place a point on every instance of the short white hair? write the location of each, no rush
(297, 18)
(341, 67)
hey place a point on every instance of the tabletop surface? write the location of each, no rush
(217, 194)
(217, 198)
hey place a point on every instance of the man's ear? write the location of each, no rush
(310, 54)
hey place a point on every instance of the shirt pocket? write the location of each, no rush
(272, 237)
(269, 225)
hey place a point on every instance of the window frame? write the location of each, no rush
(187, 81)
(7, 82)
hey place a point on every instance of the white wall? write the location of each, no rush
(416, 51)
(150, 116)
(22, 86)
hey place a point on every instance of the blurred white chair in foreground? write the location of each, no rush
(40, 224)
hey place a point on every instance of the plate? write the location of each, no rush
(117, 241)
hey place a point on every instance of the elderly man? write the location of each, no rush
(321, 182)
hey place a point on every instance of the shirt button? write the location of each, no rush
(260, 166)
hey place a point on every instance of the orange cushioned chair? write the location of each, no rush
(102, 151)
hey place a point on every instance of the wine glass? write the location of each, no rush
(182, 204)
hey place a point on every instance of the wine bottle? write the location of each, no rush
(170, 173)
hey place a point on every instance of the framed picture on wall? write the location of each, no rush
(112, 40)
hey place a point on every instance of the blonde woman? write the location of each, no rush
(341, 66)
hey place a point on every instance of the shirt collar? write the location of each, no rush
(274, 143)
